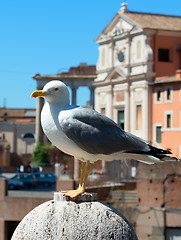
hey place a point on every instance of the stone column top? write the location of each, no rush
(64, 219)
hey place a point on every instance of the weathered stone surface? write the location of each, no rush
(64, 220)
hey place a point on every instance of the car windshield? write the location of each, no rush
(16, 177)
(22, 176)
(44, 175)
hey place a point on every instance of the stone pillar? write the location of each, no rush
(38, 129)
(74, 95)
(127, 109)
(92, 96)
(109, 102)
(132, 110)
(65, 219)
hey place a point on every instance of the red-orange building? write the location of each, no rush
(166, 91)
(166, 114)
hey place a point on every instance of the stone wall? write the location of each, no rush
(14, 208)
(158, 199)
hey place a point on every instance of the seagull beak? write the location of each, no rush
(39, 93)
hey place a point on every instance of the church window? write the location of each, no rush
(121, 118)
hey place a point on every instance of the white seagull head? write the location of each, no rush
(54, 92)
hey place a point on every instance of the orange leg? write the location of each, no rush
(85, 170)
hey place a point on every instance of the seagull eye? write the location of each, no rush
(56, 89)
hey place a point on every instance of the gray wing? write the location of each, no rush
(97, 134)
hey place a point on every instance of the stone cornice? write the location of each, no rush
(133, 78)
(63, 77)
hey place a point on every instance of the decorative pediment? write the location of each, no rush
(119, 25)
(115, 75)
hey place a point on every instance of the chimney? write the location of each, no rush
(178, 74)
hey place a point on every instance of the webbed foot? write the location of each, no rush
(74, 193)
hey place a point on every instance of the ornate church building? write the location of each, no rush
(124, 71)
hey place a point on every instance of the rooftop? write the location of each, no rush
(144, 21)
(155, 21)
(168, 79)
(17, 114)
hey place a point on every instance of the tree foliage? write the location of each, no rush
(40, 155)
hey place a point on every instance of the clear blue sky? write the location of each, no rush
(46, 37)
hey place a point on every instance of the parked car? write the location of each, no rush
(13, 184)
(28, 179)
(46, 179)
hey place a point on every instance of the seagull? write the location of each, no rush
(88, 135)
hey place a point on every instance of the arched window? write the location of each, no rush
(28, 136)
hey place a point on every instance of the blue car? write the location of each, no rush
(13, 184)
(28, 179)
(46, 179)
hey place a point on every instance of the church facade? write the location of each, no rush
(135, 50)
(124, 70)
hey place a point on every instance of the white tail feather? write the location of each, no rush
(148, 159)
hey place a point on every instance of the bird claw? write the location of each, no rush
(74, 193)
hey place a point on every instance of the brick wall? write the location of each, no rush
(158, 198)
